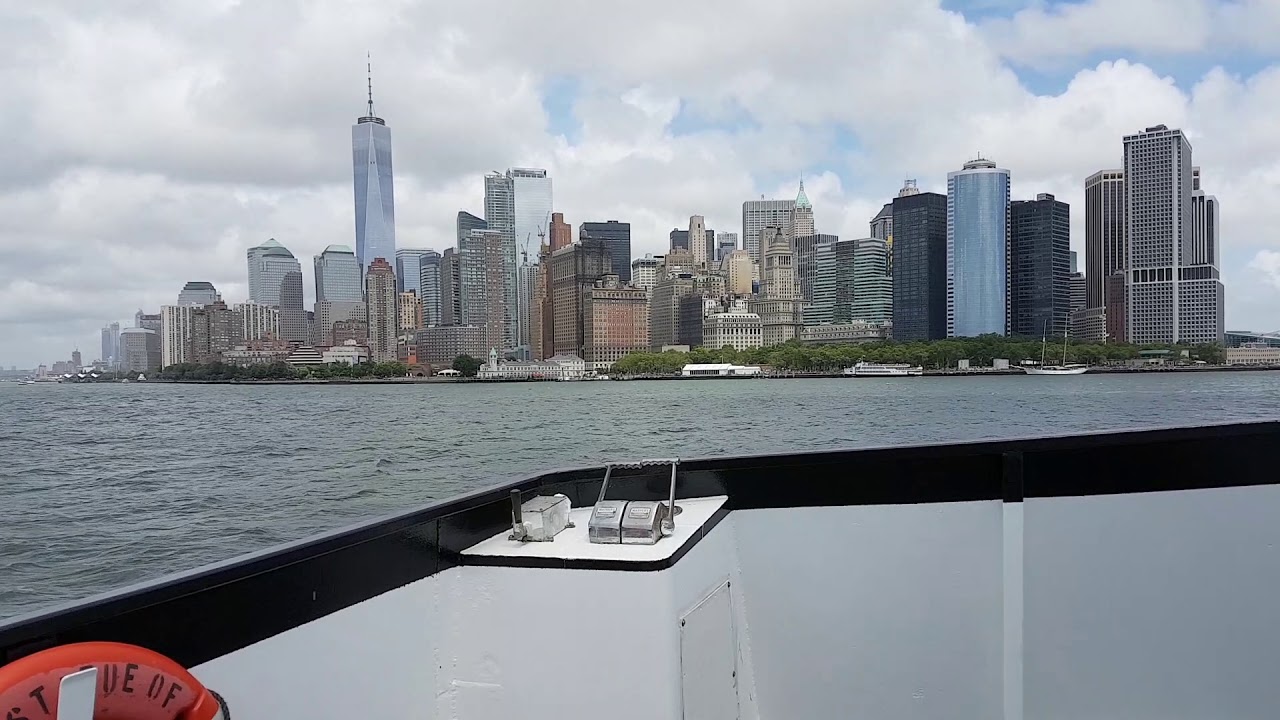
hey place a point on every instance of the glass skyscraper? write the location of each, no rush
(409, 270)
(338, 275)
(977, 250)
(268, 265)
(617, 238)
(429, 285)
(375, 199)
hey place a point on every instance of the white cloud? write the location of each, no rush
(1268, 262)
(1045, 35)
(155, 142)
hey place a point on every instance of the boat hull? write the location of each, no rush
(1057, 371)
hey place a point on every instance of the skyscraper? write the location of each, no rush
(821, 307)
(801, 215)
(198, 292)
(499, 214)
(429, 282)
(698, 240)
(872, 285)
(759, 214)
(780, 307)
(268, 264)
(726, 243)
(561, 233)
(409, 311)
(679, 239)
(1203, 299)
(920, 267)
(482, 284)
(380, 289)
(450, 295)
(338, 276)
(175, 334)
(532, 211)
(1174, 292)
(1039, 266)
(111, 345)
(1103, 233)
(374, 194)
(409, 269)
(293, 314)
(139, 350)
(574, 269)
(257, 321)
(617, 240)
(977, 250)
(644, 271)
(615, 322)
(804, 248)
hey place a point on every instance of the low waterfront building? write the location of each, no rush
(1247, 338)
(738, 330)
(441, 344)
(844, 333)
(557, 367)
(305, 356)
(1253, 355)
(719, 370)
(348, 353)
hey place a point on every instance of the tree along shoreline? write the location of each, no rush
(931, 355)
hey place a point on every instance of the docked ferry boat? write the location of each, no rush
(867, 369)
(1127, 574)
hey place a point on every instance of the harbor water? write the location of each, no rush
(107, 485)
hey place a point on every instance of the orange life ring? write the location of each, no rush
(133, 683)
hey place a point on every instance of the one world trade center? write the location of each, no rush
(375, 200)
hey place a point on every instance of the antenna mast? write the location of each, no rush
(369, 71)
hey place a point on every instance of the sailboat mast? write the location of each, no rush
(1064, 347)
(1044, 341)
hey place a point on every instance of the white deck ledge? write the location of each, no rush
(572, 544)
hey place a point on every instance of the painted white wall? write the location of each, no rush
(875, 611)
(1156, 605)
(375, 659)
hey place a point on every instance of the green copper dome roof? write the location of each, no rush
(802, 200)
(274, 249)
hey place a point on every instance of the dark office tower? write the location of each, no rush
(293, 316)
(920, 267)
(1039, 266)
(679, 239)
(617, 238)
(450, 293)
(1103, 233)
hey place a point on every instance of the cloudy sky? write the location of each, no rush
(150, 142)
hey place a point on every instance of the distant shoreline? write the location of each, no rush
(1098, 370)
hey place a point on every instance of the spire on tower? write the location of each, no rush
(369, 70)
(802, 200)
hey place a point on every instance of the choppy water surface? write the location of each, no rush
(106, 485)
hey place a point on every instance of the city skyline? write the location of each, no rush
(185, 207)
